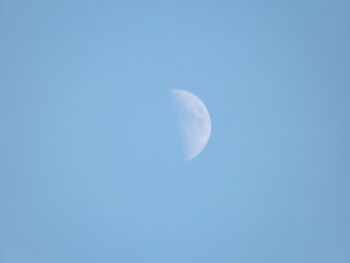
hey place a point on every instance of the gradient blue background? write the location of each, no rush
(90, 161)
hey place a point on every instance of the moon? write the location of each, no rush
(194, 122)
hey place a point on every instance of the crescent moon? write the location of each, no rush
(194, 121)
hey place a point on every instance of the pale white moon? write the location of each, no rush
(194, 121)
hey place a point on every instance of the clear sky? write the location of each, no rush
(90, 162)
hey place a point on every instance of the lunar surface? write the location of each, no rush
(194, 122)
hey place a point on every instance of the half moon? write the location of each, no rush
(194, 122)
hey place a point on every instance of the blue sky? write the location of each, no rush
(90, 156)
